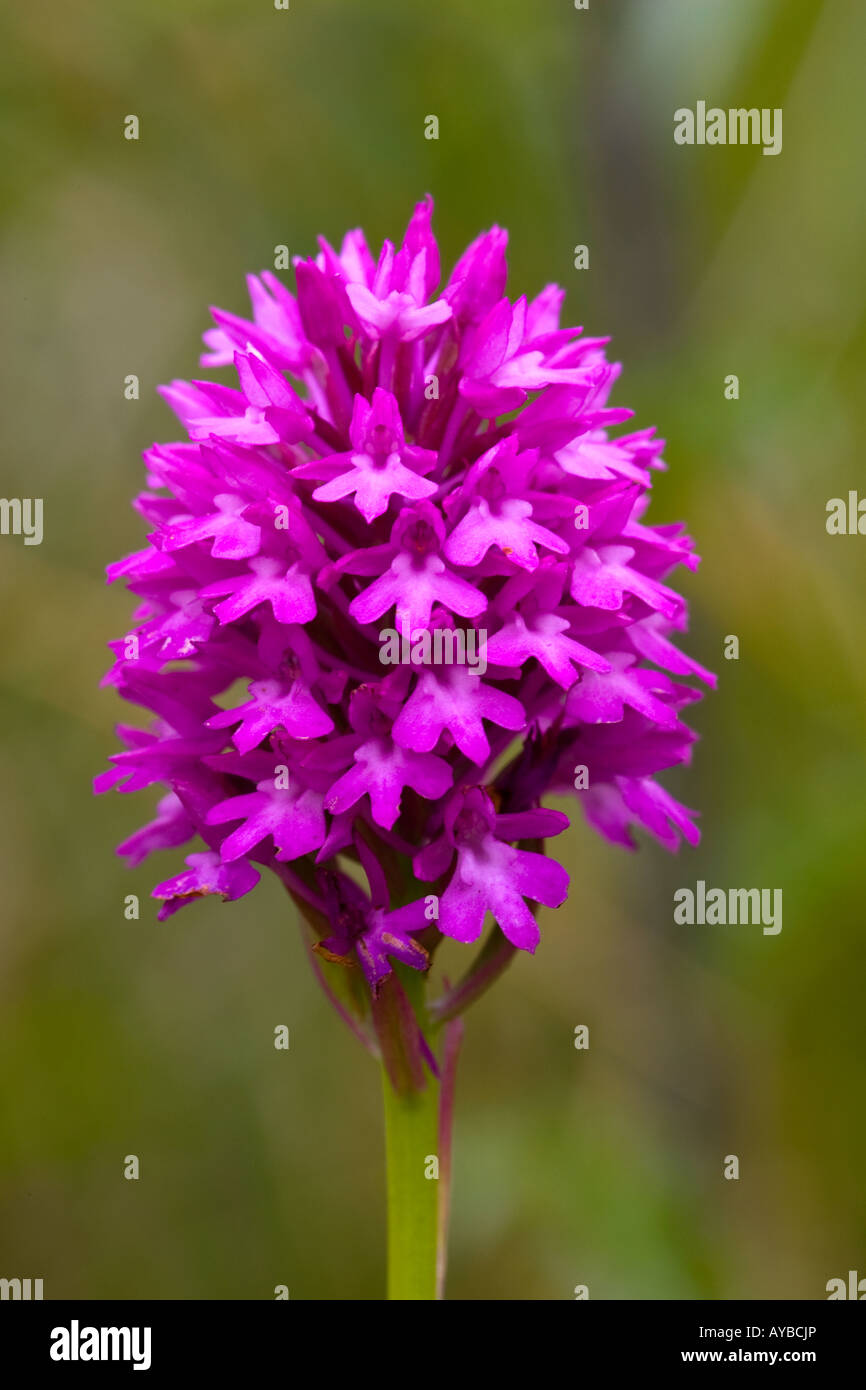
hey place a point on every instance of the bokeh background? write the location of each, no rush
(603, 1167)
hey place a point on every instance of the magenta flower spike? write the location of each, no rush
(409, 530)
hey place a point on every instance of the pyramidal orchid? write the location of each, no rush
(411, 533)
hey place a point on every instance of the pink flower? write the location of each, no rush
(439, 460)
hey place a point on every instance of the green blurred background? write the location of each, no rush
(603, 1167)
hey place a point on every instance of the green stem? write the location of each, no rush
(411, 1143)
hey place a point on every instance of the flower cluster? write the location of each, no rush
(438, 460)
